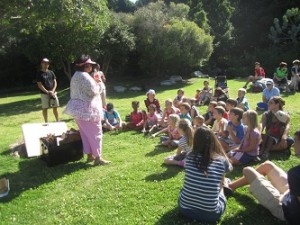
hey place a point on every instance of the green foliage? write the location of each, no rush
(167, 42)
(115, 44)
(288, 30)
(125, 6)
(60, 30)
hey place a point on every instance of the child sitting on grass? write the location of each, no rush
(202, 197)
(206, 93)
(184, 111)
(226, 113)
(209, 119)
(151, 100)
(193, 111)
(249, 147)
(235, 130)
(220, 124)
(230, 104)
(168, 110)
(275, 132)
(112, 119)
(185, 144)
(173, 134)
(151, 120)
(180, 95)
(242, 101)
(136, 117)
(198, 121)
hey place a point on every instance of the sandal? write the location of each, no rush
(99, 162)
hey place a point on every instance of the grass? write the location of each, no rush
(136, 188)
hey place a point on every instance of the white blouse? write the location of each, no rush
(85, 103)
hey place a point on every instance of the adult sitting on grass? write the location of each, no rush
(202, 197)
(280, 193)
(280, 77)
(259, 74)
(269, 92)
(274, 105)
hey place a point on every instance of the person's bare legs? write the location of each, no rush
(45, 115)
(250, 174)
(55, 112)
(250, 78)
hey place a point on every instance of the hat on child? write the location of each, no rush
(243, 90)
(151, 91)
(269, 82)
(296, 61)
(45, 60)
(282, 116)
(294, 180)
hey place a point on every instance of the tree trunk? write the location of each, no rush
(106, 62)
(67, 68)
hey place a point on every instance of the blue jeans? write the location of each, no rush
(206, 216)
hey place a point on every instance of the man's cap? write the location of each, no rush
(282, 116)
(269, 82)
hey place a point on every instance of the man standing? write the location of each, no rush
(46, 81)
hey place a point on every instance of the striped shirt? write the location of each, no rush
(202, 192)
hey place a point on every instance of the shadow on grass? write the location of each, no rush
(33, 173)
(175, 218)
(253, 212)
(26, 106)
(171, 171)
(159, 149)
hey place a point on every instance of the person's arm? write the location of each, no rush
(161, 131)
(263, 122)
(42, 88)
(253, 141)
(286, 130)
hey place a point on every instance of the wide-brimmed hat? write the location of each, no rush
(282, 116)
(89, 61)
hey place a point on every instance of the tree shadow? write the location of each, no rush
(171, 171)
(31, 105)
(33, 173)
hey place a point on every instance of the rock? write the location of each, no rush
(135, 88)
(167, 82)
(119, 88)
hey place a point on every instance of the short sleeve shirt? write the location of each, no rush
(46, 78)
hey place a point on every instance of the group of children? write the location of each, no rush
(234, 124)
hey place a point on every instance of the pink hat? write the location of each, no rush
(89, 61)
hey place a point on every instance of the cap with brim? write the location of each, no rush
(269, 82)
(89, 61)
(243, 90)
(45, 60)
(296, 61)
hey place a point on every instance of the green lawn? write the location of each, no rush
(136, 188)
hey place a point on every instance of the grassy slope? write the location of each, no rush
(135, 189)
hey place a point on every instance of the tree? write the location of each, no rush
(164, 36)
(125, 6)
(116, 43)
(289, 30)
(59, 29)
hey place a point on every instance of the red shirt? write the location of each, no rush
(260, 72)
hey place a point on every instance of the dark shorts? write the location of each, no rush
(243, 157)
